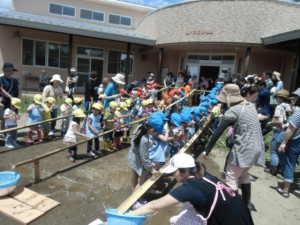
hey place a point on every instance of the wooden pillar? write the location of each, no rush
(160, 62)
(127, 62)
(70, 52)
(295, 82)
(37, 170)
(247, 60)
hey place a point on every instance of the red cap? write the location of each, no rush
(139, 89)
(167, 97)
(122, 91)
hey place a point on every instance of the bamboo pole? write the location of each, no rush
(142, 189)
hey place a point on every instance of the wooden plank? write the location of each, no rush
(142, 189)
(18, 211)
(34, 199)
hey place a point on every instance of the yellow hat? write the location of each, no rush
(101, 96)
(96, 106)
(123, 105)
(150, 101)
(77, 100)
(51, 100)
(37, 98)
(128, 102)
(78, 113)
(113, 105)
(69, 101)
(145, 102)
(16, 102)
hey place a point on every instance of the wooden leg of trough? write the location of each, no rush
(36, 170)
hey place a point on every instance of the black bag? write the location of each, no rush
(230, 141)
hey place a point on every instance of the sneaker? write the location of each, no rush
(16, 145)
(91, 154)
(98, 152)
(51, 133)
(9, 146)
(70, 158)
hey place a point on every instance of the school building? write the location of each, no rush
(206, 38)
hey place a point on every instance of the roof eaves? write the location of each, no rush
(283, 37)
(76, 28)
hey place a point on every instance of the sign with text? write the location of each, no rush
(199, 31)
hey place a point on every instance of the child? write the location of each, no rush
(216, 112)
(35, 115)
(77, 103)
(72, 133)
(108, 121)
(47, 109)
(128, 116)
(119, 121)
(175, 131)
(66, 110)
(93, 127)
(11, 116)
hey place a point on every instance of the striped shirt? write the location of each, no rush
(249, 142)
(295, 122)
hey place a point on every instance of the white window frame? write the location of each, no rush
(63, 5)
(120, 20)
(92, 15)
(46, 52)
(120, 51)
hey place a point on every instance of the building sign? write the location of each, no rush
(199, 32)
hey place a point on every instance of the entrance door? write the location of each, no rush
(209, 72)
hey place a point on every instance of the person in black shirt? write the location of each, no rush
(200, 193)
(91, 89)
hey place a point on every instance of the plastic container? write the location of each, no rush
(8, 182)
(113, 218)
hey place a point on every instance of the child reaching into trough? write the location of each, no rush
(72, 133)
(11, 116)
(48, 107)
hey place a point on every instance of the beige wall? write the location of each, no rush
(41, 7)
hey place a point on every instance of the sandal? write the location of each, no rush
(283, 192)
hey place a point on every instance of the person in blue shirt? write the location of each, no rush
(112, 90)
(263, 99)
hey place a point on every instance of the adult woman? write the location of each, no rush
(143, 141)
(169, 81)
(248, 144)
(200, 194)
(54, 90)
(112, 90)
(179, 80)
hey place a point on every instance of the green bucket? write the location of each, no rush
(113, 218)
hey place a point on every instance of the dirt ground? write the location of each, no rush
(88, 187)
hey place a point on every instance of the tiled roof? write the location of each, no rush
(220, 21)
(73, 27)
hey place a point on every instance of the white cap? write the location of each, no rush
(73, 70)
(180, 160)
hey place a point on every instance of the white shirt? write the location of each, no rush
(12, 120)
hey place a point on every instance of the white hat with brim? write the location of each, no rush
(180, 160)
(297, 92)
(277, 75)
(119, 78)
(230, 94)
(56, 77)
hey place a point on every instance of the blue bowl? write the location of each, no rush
(8, 182)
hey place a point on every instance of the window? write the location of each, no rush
(119, 20)
(61, 9)
(36, 53)
(117, 62)
(91, 15)
(93, 52)
(58, 55)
